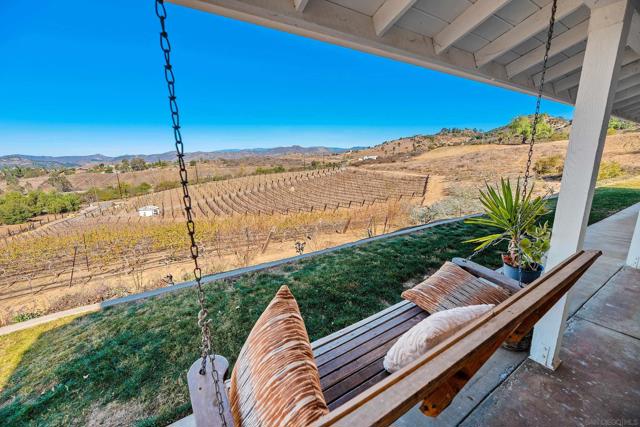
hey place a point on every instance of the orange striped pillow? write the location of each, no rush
(451, 287)
(275, 380)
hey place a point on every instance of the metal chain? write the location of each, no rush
(534, 126)
(536, 116)
(203, 315)
(534, 130)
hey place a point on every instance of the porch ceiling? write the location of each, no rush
(500, 42)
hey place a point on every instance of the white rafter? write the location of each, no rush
(627, 83)
(466, 22)
(633, 41)
(627, 94)
(300, 4)
(559, 43)
(630, 67)
(567, 82)
(389, 13)
(618, 105)
(565, 67)
(525, 30)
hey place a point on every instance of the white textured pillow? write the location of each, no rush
(429, 333)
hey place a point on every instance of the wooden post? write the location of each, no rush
(267, 241)
(346, 226)
(608, 29)
(86, 254)
(73, 266)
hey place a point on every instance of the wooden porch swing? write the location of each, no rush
(356, 387)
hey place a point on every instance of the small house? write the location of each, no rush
(149, 210)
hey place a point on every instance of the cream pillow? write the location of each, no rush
(429, 333)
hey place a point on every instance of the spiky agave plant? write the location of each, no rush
(517, 215)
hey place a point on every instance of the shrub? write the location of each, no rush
(549, 165)
(619, 124)
(610, 170)
(559, 136)
(166, 185)
(265, 171)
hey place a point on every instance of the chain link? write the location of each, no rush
(536, 116)
(203, 315)
(534, 130)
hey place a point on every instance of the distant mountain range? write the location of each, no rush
(75, 161)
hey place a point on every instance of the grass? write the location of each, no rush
(127, 364)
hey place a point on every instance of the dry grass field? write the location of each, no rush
(464, 168)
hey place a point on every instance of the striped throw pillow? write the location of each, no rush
(451, 287)
(275, 380)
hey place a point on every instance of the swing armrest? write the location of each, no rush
(203, 396)
(486, 273)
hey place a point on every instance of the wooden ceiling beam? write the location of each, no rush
(300, 4)
(627, 94)
(389, 13)
(466, 22)
(633, 40)
(528, 28)
(624, 104)
(630, 67)
(559, 43)
(565, 67)
(627, 83)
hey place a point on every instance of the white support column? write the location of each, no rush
(633, 258)
(608, 28)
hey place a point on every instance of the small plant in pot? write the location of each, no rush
(516, 216)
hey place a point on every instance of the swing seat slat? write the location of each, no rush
(350, 360)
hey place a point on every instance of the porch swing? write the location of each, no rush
(355, 386)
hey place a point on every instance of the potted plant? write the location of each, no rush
(517, 218)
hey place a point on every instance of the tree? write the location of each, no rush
(138, 164)
(14, 208)
(521, 126)
(192, 163)
(60, 182)
(124, 166)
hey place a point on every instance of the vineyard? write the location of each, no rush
(282, 193)
(111, 251)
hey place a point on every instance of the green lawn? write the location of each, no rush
(127, 364)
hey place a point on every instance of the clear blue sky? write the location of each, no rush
(85, 77)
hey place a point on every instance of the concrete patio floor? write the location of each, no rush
(598, 382)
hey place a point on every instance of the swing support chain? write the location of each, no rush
(204, 321)
(532, 140)
(534, 129)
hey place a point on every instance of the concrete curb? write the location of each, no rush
(215, 277)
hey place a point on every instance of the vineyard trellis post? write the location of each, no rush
(73, 266)
(86, 253)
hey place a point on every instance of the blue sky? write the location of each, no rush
(85, 77)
